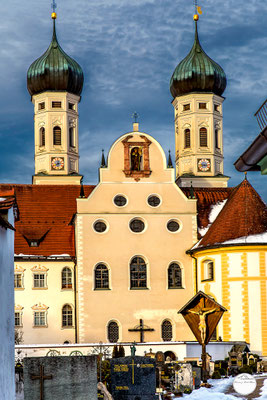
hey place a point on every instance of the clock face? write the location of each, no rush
(57, 163)
(203, 164)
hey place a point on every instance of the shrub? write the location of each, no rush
(245, 370)
(216, 375)
(187, 390)
(223, 371)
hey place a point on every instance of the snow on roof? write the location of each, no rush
(214, 212)
(259, 238)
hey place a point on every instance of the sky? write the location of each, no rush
(128, 52)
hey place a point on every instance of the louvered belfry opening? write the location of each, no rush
(187, 138)
(57, 136)
(42, 136)
(203, 137)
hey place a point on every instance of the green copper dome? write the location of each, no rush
(55, 71)
(197, 72)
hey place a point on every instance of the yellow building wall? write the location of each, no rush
(239, 285)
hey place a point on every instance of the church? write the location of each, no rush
(114, 262)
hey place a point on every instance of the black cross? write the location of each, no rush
(141, 328)
(42, 377)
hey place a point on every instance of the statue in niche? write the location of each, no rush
(136, 159)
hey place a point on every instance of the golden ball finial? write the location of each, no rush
(196, 17)
(54, 15)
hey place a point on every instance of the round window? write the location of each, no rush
(173, 226)
(153, 201)
(137, 225)
(120, 200)
(100, 226)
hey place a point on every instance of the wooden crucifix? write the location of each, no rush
(42, 377)
(141, 328)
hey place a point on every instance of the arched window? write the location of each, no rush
(101, 277)
(56, 136)
(67, 315)
(208, 273)
(138, 273)
(187, 138)
(71, 136)
(174, 276)
(166, 330)
(42, 136)
(203, 137)
(217, 146)
(113, 332)
(66, 278)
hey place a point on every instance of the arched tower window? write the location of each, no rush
(71, 136)
(174, 276)
(187, 143)
(217, 146)
(166, 330)
(138, 273)
(66, 278)
(42, 136)
(56, 136)
(203, 137)
(67, 315)
(101, 277)
(113, 332)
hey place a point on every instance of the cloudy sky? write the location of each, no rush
(128, 51)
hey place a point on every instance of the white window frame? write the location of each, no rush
(42, 314)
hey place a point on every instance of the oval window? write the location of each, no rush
(137, 225)
(153, 201)
(100, 226)
(120, 200)
(173, 226)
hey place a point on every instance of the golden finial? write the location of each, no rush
(198, 11)
(54, 6)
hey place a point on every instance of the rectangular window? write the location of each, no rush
(56, 104)
(39, 318)
(71, 106)
(202, 106)
(186, 107)
(216, 107)
(33, 243)
(41, 106)
(18, 319)
(39, 281)
(18, 281)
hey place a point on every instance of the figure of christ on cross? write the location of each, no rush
(141, 328)
(42, 377)
(202, 326)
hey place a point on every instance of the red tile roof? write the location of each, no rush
(206, 198)
(45, 212)
(244, 214)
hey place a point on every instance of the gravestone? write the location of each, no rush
(62, 377)
(133, 378)
(184, 377)
(196, 376)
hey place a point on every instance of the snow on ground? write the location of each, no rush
(263, 391)
(215, 392)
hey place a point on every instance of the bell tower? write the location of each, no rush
(55, 83)
(197, 85)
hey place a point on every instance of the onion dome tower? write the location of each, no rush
(197, 85)
(55, 83)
